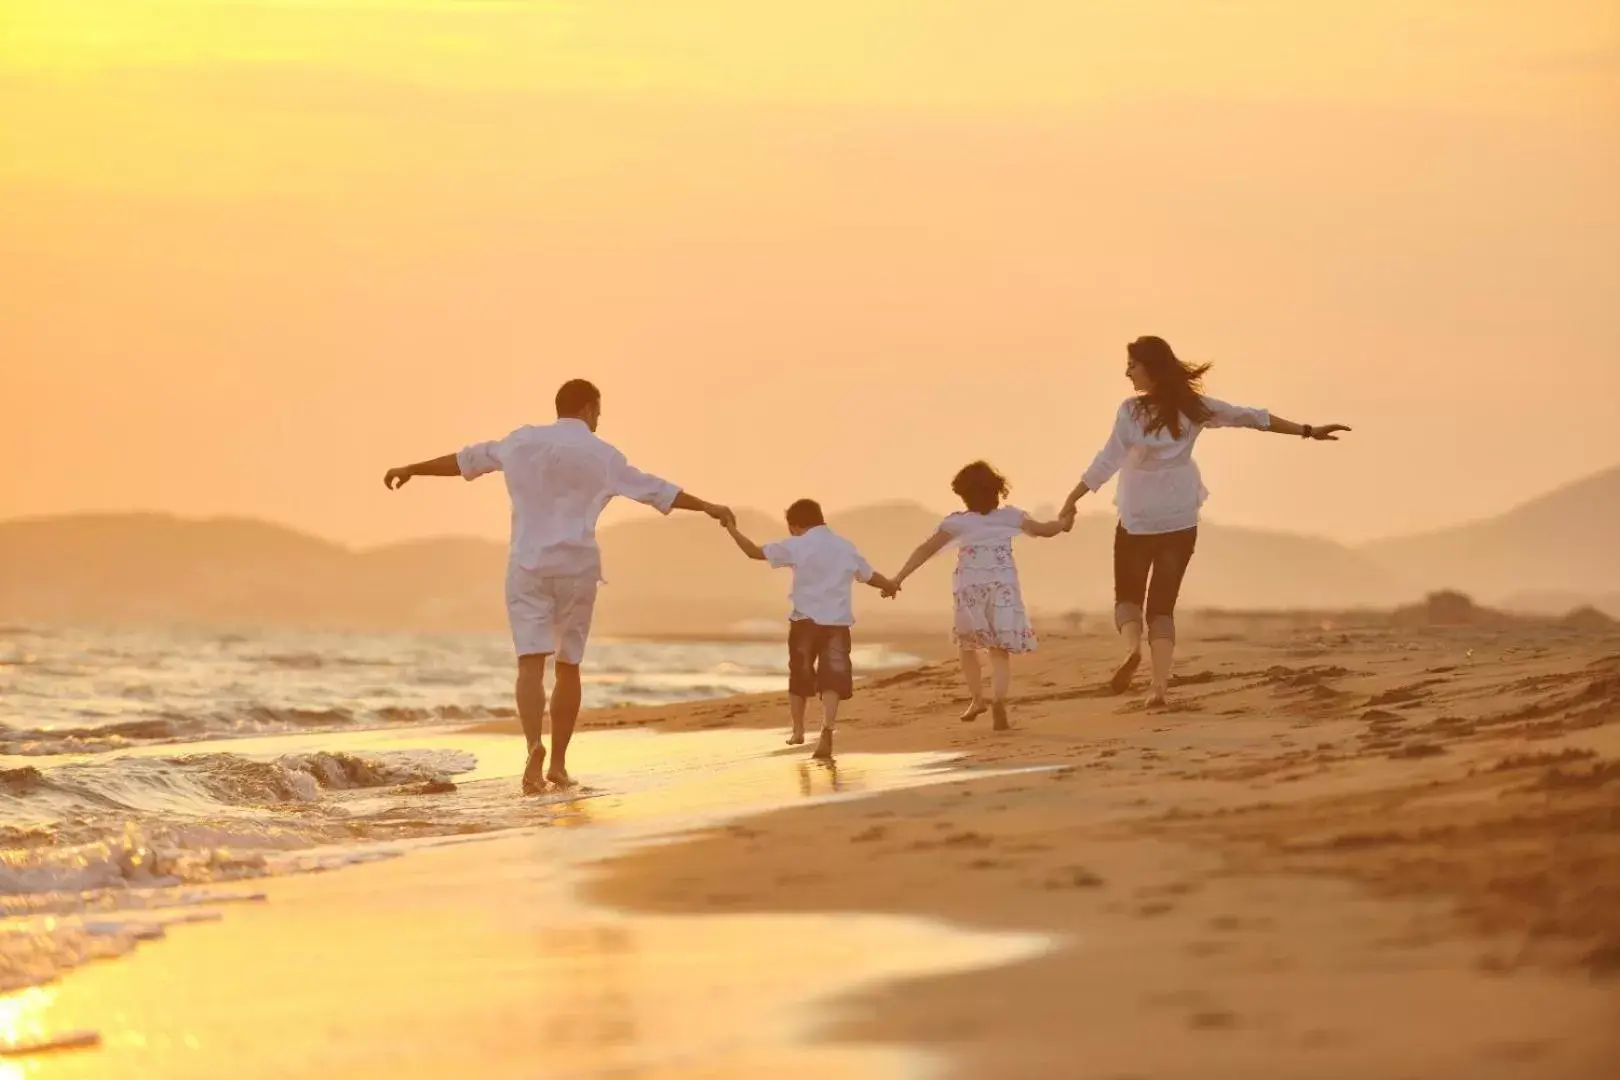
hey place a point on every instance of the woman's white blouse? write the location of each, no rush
(1160, 489)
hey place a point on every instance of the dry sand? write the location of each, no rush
(1344, 851)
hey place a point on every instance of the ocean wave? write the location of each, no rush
(171, 726)
(204, 785)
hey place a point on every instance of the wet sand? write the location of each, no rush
(1346, 851)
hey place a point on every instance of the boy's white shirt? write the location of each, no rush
(825, 569)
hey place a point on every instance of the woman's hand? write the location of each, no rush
(1328, 432)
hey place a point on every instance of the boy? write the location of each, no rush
(824, 567)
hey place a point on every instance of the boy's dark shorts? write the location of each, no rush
(818, 660)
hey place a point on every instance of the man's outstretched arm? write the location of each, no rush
(398, 477)
(687, 501)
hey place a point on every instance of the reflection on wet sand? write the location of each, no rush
(479, 957)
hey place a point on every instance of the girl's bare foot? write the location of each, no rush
(796, 739)
(975, 710)
(823, 747)
(999, 711)
(534, 771)
(1121, 681)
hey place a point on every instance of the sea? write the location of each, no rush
(141, 768)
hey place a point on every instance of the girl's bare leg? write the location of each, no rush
(975, 684)
(1000, 680)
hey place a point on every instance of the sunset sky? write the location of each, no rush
(253, 252)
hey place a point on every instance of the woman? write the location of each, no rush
(1160, 493)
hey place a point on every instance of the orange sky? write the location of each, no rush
(252, 252)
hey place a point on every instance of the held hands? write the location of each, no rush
(722, 514)
(1066, 517)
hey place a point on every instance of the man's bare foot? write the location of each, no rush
(823, 747)
(534, 771)
(1121, 681)
(999, 711)
(975, 710)
(796, 739)
(559, 778)
(1156, 698)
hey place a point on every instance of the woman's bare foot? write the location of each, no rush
(975, 710)
(1156, 698)
(823, 747)
(796, 739)
(534, 771)
(1121, 681)
(559, 778)
(999, 711)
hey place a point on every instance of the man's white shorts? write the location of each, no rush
(550, 614)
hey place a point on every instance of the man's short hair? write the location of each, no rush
(805, 514)
(575, 395)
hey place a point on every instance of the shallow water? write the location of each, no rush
(139, 764)
(75, 690)
(477, 955)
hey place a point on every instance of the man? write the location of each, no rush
(560, 477)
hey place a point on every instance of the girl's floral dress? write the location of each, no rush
(988, 601)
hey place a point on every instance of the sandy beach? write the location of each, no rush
(1347, 850)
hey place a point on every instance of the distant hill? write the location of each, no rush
(676, 575)
(1565, 543)
(683, 575)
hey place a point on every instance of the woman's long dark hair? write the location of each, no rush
(1177, 387)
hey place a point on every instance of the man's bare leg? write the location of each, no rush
(796, 706)
(975, 685)
(829, 719)
(531, 706)
(564, 712)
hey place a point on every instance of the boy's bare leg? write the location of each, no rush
(1000, 681)
(829, 718)
(531, 706)
(564, 712)
(796, 706)
(975, 685)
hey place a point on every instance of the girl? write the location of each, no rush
(989, 606)
(1160, 493)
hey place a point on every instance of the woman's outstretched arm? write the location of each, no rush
(1325, 433)
(925, 551)
(1222, 414)
(1109, 460)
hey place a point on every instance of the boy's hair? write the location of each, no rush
(805, 514)
(980, 487)
(575, 396)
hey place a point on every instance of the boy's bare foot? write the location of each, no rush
(534, 771)
(559, 778)
(975, 710)
(1121, 681)
(796, 739)
(823, 747)
(999, 711)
